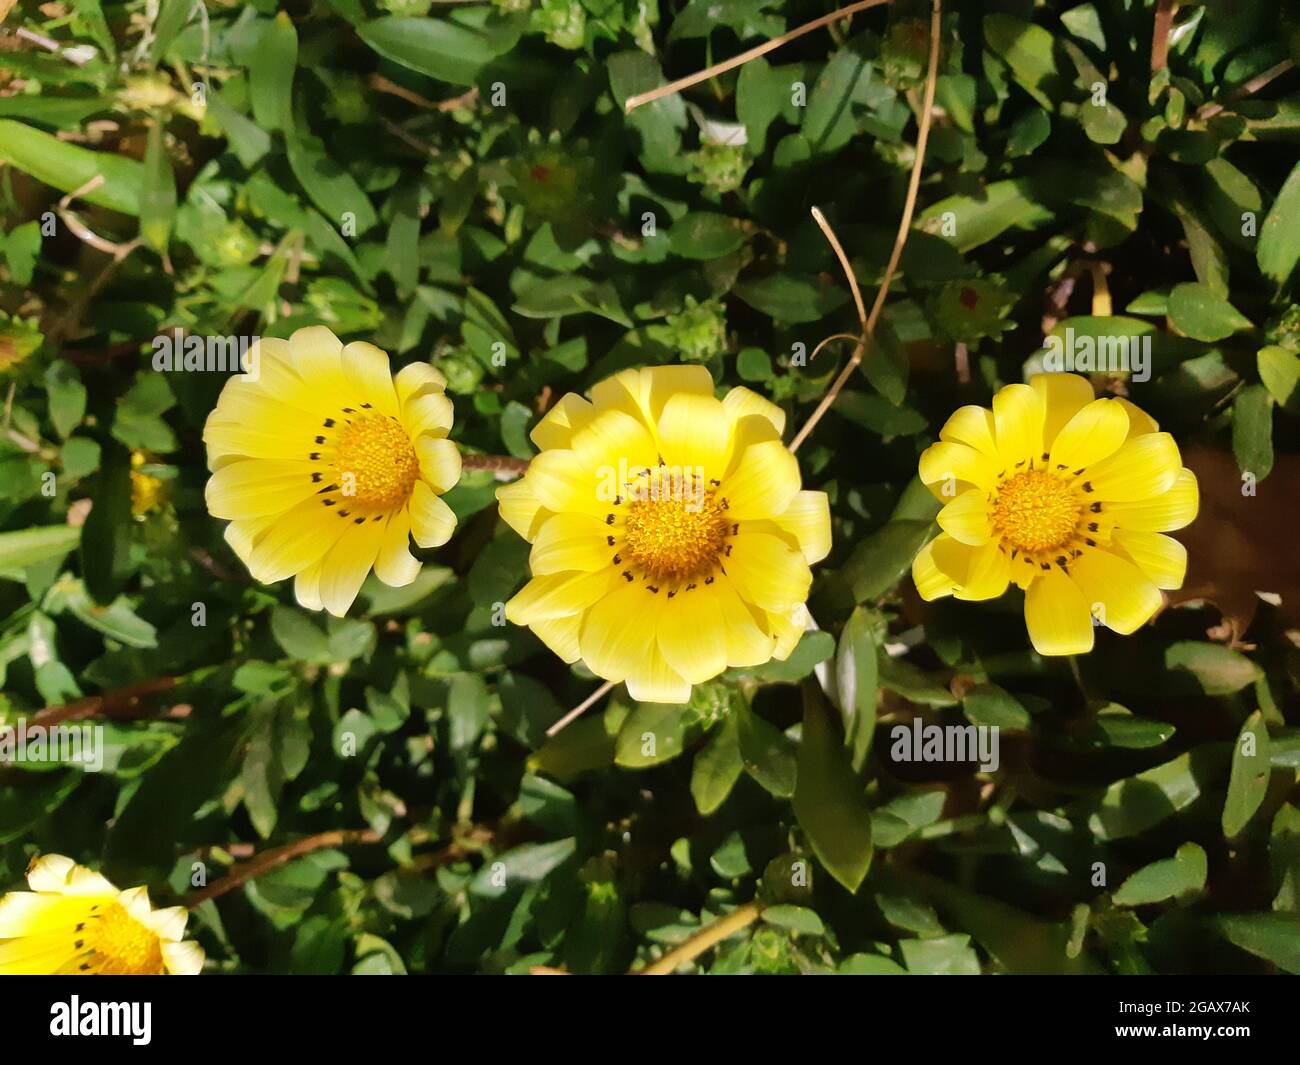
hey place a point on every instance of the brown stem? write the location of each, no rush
(497, 463)
(904, 227)
(277, 856)
(121, 704)
(1164, 22)
(641, 99)
(709, 936)
(1252, 86)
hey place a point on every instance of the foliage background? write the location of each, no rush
(448, 178)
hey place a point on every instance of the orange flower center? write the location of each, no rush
(122, 945)
(376, 463)
(1036, 511)
(676, 528)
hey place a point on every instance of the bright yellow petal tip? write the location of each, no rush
(1065, 494)
(326, 465)
(73, 922)
(671, 535)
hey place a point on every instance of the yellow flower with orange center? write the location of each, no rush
(1065, 495)
(74, 922)
(671, 534)
(326, 465)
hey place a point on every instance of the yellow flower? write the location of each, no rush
(326, 464)
(670, 535)
(147, 491)
(74, 921)
(1066, 495)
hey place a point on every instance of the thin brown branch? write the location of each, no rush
(1164, 22)
(641, 99)
(709, 936)
(381, 84)
(277, 856)
(121, 704)
(504, 464)
(1249, 88)
(900, 240)
(580, 709)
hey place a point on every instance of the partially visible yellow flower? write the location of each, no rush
(1066, 495)
(671, 538)
(326, 465)
(147, 491)
(73, 921)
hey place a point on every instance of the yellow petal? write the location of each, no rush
(168, 924)
(1139, 421)
(518, 506)
(616, 441)
(748, 644)
(972, 426)
(36, 955)
(1162, 558)
(692, 634)
(1166, 512)
(29, 913)
(619, 630)
(1128, 597)
(561, 482)
(976, 572)
(560, 635)
(439, 462)
(1093, 434)
(767, 571)
(183, 959)
(1018, 416)
(1057, 616)
(743, 402)
(316, 355)
(931, 582)
(294, 541)
(570, 542)
(395, 565)
(241, 535)
(347, 565)
(764, 483)
(557, 427)
(431, 414)
(1146, 466)
(61, 875)
(416, 380)
(286, 440)
(432, 521)
(559, 595)
(946, 467)
(655, 681)
(1063, 396)
(306, 588)
(695, 430)
(369, 376)
(251, 488)
(808, 517)
(966, 518)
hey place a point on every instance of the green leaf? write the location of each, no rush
(798, 919)
(67, 396)
(270, 73)
(1182, 874)
(879, 562)
(439, 47)
(704, 235)
(1219, 670)
(1252, 431)
(329, 184)
(769, 755)
(829, 801)
(717, 767)
(1279, 369)
(68, 167)
(106, 543)
(1278, 250)
(30, 547)
(1201, 313)
(970, 221)
(1030, 52)
(652, 733)
(22, 249)
(791, 300)
(1248, 783)
(158, 193)
(1131, 806)
(857, 682)
(1275, 937)
(987, 704)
